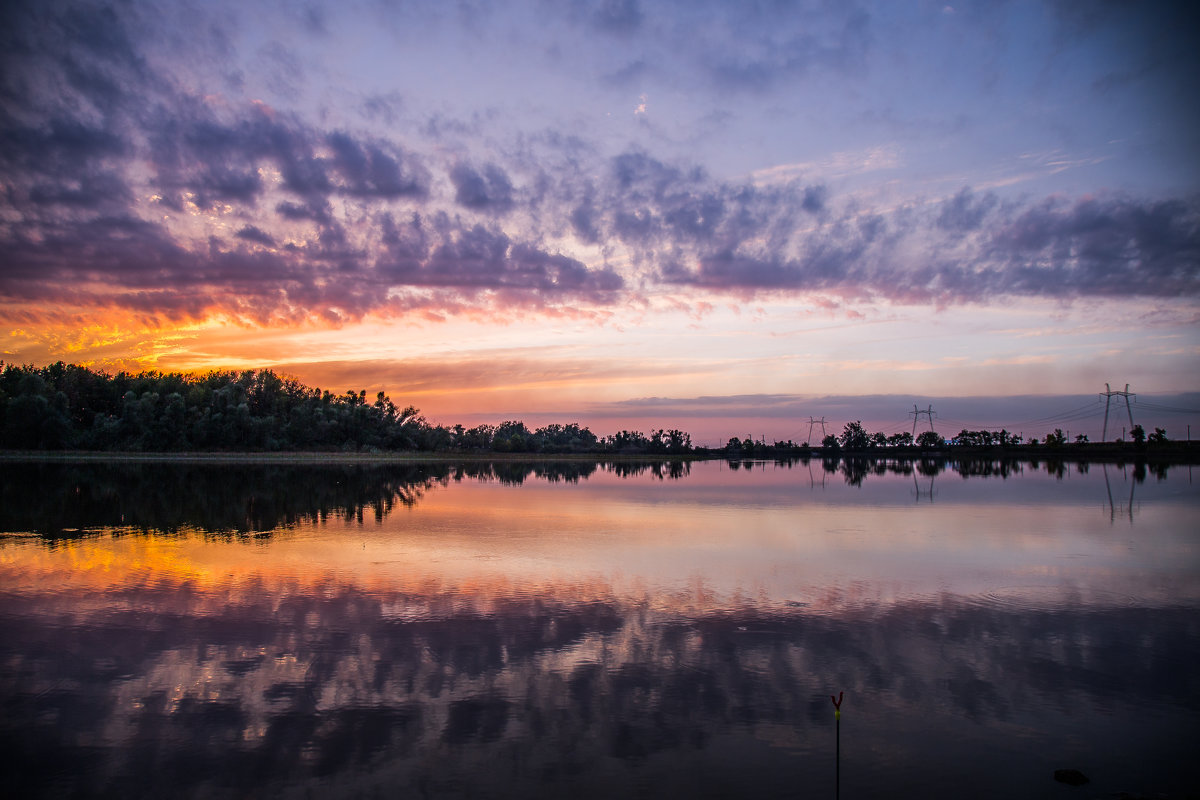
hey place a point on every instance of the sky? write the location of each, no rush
(728, 217)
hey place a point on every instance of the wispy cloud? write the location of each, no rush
(838, 165)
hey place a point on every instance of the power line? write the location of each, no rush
(1081, 412)
(895, 427)
(1166, 409)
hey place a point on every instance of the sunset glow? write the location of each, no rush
(722, 217)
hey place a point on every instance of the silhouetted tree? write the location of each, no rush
(1138, 434)
(928, 439)
(511, 436)
(627, 442)
(570, 438)
(854, 437)
(478, 438)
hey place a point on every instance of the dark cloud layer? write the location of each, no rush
(125, 186)
(90, 235)
(483, 258)
(1109, 246)
(488, 189)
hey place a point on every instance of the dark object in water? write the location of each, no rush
(1070, 776)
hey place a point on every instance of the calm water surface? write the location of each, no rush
(598, 631)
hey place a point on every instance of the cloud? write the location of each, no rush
(538, 368)
(630, 74)
(482, 258)
(730, 49)
(90, 237)
(965, 212)
(317, 212)
(840, 164)
(583, 221)
(221, 155)
(253, 234)
(1107, 246)
(815, 198)
(376, 169)
(488, 189)
(967, 248)
(61, 162)
(791, 48)
(618, 16)
(384, 107)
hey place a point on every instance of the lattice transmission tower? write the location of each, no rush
(917, 413)
(1108, 394)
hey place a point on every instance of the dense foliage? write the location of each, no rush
(69, 407)
(64, 406)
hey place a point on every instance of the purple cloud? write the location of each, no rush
(488, 189)
(482, 258)
(252, 234)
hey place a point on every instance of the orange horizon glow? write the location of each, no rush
(543, 369)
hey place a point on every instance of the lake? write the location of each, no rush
(598, 630)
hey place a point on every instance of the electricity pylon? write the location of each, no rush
(811, 423)
(918, 413)
(1108, 395)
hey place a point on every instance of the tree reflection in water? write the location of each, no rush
(59, 500)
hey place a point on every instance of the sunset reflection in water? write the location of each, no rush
(615, 633)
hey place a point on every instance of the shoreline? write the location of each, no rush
(321, 458)
(1171, 453)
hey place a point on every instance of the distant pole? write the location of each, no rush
(837, 716)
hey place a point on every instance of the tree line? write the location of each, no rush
(70, 407)
(856, 439)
